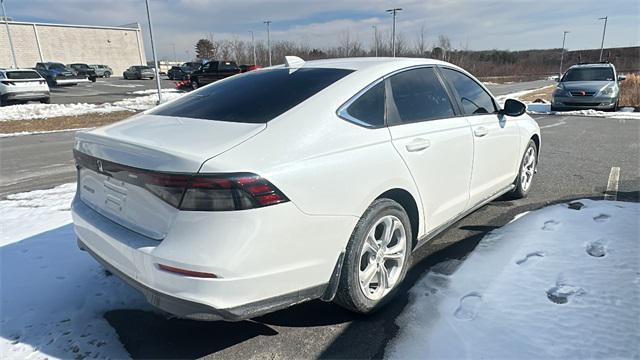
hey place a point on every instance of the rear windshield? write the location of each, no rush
(253, 97)
(142, 67)
(19, 75)
(57, 66)
(589, 74)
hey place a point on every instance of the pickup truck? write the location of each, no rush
(213, 71)
(85, 70)
(58, 74)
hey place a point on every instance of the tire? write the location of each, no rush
(106, 74)
(368, 296)
(46, 101)
(526, 171)
(195, 84)
(92, 79)
(124, 76)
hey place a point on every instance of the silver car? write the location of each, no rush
(588, 86)
(102, 70)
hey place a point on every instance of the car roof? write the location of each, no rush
(361, 63)
(592, 65)
(5, 70)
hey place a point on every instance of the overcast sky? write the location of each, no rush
(477, 25)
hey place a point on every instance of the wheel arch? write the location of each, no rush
(410, 205)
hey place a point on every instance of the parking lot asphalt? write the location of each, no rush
(104, 90)
(576, 158)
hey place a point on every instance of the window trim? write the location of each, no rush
(344, 114)
(457, 96)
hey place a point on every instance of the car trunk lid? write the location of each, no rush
(122, 168)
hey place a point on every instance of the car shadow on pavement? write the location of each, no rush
(156, 337)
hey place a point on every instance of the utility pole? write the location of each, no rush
(6, 23)
(375, 38)
(393, 36)
(153, 51)
(564, 37)
(268, 22)
(603, 32)
(253, 44)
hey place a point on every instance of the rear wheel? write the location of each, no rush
(195, 84)
(376, 258)
(526, 172)
(107, 74)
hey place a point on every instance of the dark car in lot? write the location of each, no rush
(183, 71)
(85, 70)
(139, 72)
(213, 71)
(58, 74)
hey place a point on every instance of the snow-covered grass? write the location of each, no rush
(53, 295)
(555, 283)
(44, 111)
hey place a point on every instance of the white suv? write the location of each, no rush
(22, 85)
(308, 180)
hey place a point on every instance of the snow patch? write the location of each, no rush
(541, 287)
(53, 294)
(44, 111)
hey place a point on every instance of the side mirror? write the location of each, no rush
(513, 108)
(621, 77)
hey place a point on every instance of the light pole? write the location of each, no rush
(153, 51)
(375, 38)
(564, 37)
(603, 32)
(253, 44)
(6, 23)
(393, 36)
(268, 22)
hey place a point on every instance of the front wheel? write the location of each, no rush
(376, 258)
(526, 171)
(107, 74)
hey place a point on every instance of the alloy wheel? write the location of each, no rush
(528, 168)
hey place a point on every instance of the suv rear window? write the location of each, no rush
(20, 75)
(253, 97)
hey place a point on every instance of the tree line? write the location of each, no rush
(485, 63)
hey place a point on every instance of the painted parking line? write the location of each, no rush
(612, 186)
(553, 125)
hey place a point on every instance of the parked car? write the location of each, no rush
(139, 72)
(22, 85)
(588, 86)
(102, 70)
(183, 71)
(58, 74)
(213, 71)
(84, 70)
(322, 188)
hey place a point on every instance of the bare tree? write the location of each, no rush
(444, 43)
(421, 44)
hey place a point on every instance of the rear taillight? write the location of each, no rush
(230, 192)
(8, 82)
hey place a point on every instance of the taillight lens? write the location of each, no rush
(8, 82)
(226, 193)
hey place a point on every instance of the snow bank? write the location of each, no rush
(555, 283)
(54, 295)
(535, 108)
(44, 111)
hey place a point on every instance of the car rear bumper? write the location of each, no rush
(26, 95)
(269, 264)
(583, 102)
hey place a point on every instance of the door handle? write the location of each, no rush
(480, 131)
(418, 145)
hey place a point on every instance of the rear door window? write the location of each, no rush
(473, 98)
(368, 108)
(22, 75)
(418, 95)
(253, 97)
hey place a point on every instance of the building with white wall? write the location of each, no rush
(116, 46)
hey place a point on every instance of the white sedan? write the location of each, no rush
(307, 180)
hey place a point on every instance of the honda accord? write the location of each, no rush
(300, 181)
